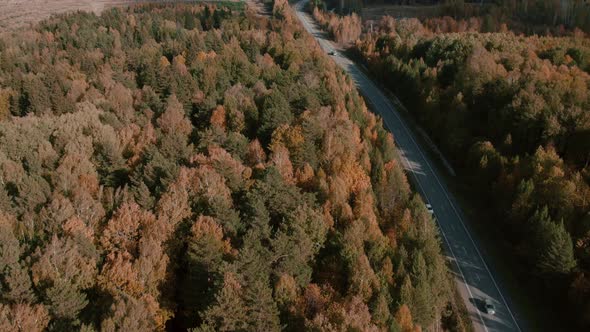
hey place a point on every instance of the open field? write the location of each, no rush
(16, 14)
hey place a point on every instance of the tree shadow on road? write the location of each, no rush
(478, 303)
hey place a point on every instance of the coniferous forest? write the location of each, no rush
(510, 111)
(199, 167)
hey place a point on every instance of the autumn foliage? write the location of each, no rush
(168, 167)
(511, 113)
(343, 29)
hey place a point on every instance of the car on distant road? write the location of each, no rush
(332, 52)
(430, 209)
(489, 306)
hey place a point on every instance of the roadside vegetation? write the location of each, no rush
(511, 111)
(345, 30)
(168, 167)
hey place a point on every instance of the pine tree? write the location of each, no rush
(64, 300)
(275, 112)
(15, 283)
(555, 255)
(380, 307)
(405, 293)
(142, 194)
(204, 257)
(263, 314)
(229, 313)
(423, 303)
(4, 104)
(18, 285)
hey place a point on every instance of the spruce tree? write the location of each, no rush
(423, 302)
(263, 314)
(555, 255)
(229, 312)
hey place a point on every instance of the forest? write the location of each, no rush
(511, 112)
(174, 167)
(526, 16)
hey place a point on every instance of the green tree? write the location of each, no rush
(15, 282)
(275, 112)
(262, 309)
(423, 303)
(204, 257)
(4, 104)
(229, 313)
(555, 254)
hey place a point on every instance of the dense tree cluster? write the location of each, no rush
(512, 111)
(173, 167)
(527, 16)
(343, 29)
(531, 16)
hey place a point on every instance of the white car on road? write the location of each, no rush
(430, 209)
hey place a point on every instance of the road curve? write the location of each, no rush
(475, 279)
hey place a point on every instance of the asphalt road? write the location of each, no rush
(475, 279)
